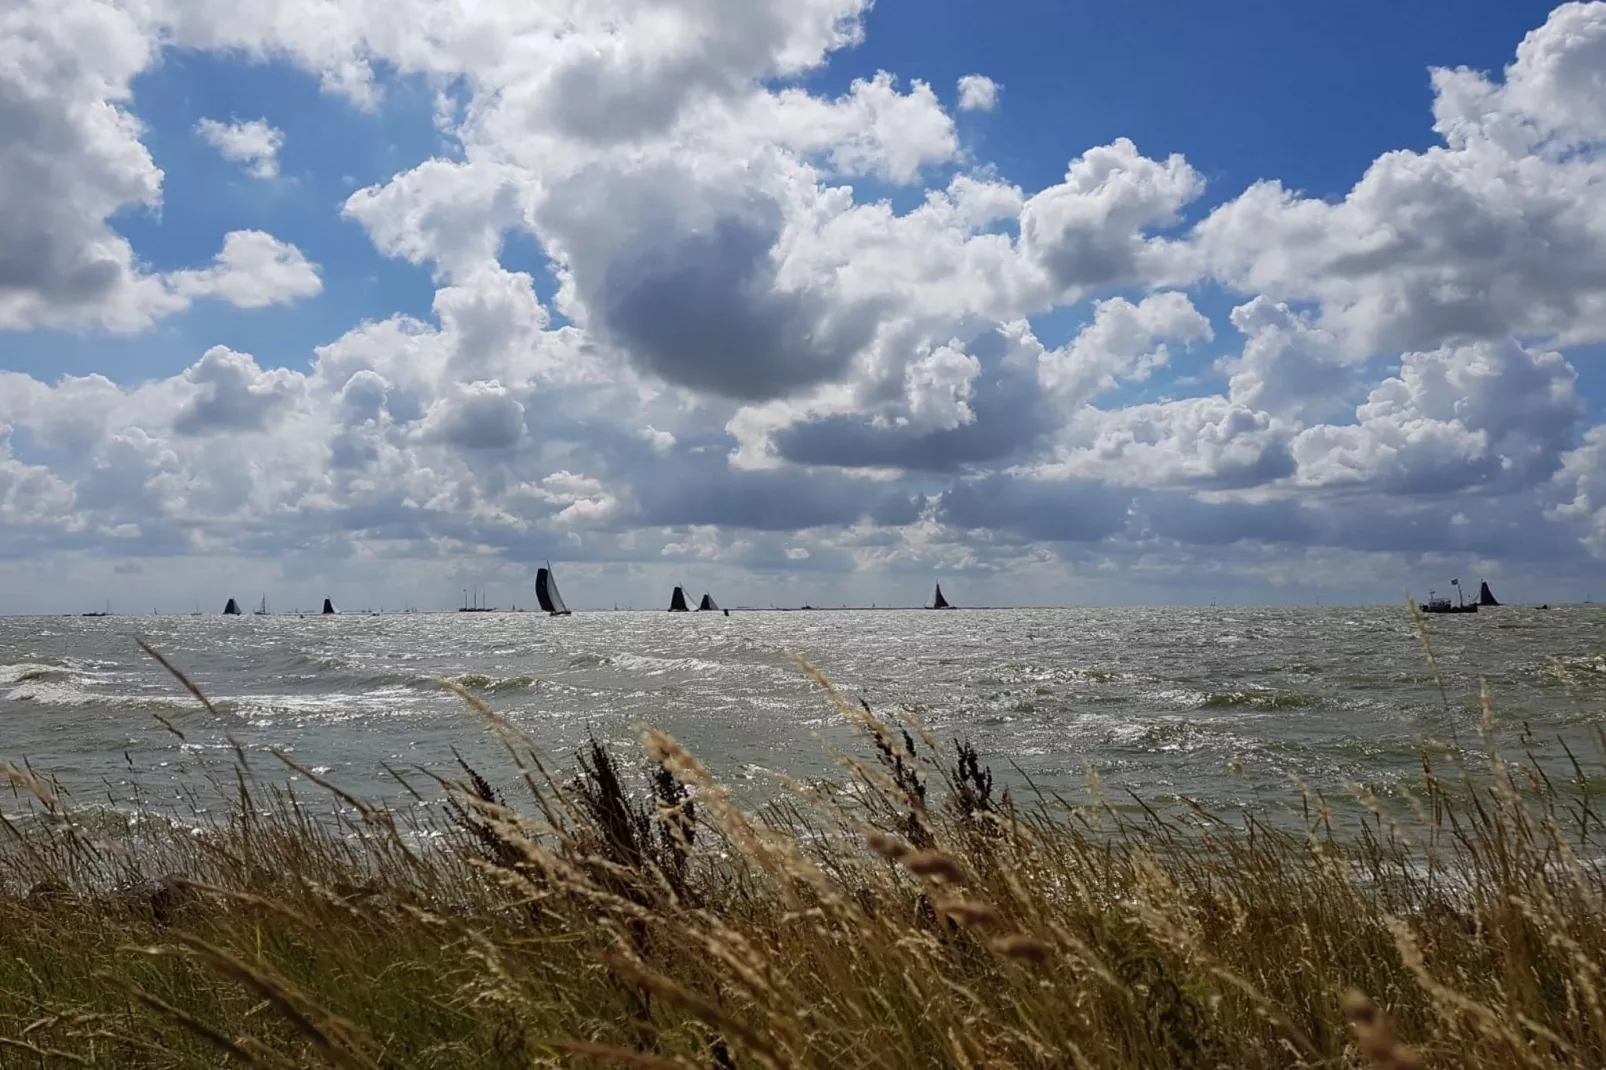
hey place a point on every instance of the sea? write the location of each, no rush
(1234, 709)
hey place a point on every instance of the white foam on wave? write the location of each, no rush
(50, 693)
(649, 665)
(264, 710)
(11, 674)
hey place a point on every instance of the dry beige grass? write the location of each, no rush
(620, 919)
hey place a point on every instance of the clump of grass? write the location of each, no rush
(633, 914)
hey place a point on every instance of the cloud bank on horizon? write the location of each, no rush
(689, 312)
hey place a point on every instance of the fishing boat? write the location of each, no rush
(546, 592)
(329, 609)
(232, 609)
(707, 604)
(677, 601)
(99, 613)
(1435, 604)
(939, 602)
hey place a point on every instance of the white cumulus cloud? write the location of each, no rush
(977, 92)
(253, 144)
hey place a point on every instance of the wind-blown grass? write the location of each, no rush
(633, 914)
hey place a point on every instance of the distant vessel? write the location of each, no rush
(106, 613)
(677, 601)
(329, 609)
(939, 602)
(478, 605)
(232, 609)
(1486, 596)
(1435, 604)
(707, 605)
(261, 610)
(546, 592)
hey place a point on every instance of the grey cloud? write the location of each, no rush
(479, 416)
(1051, 512)
(683, 277)
(65, 168)
(1492, 415)
(764, 500)
(896, 508)
(1009, 415)
(1191, 521)
(234, 394)
(1509, 528)
(706, 311)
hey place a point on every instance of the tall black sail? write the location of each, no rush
(328, 607)
(707, 605)
(677, 601)
(232, 609)
(546, 592)
(1486, 596)
(940, 602)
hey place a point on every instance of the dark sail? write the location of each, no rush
(940, 602)
(707, 604)
(232, 609)
(546, 593)
(677, 601)
(1486, 596)
(328, 608)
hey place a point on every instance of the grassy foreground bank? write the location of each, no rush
(628, 913)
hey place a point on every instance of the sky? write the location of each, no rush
(800, 301)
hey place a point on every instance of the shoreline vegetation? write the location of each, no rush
(629, 913)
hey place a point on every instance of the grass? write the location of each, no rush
(631, 914)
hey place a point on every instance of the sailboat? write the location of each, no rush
(707, 604)
(478, 605)
(261, 610)
(939, 602)
(1435, 604)
(677, 601)
(1486, 596)
(329, 608)
(546, 592)
(232, 609)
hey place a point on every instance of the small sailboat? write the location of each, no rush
(1486, 596)
(677, 601)
(546, 592)
(232, 609)
(261, 610)
(707, 604)
(938, 601)
(329, 609)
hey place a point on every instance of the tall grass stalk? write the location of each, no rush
(633, 914)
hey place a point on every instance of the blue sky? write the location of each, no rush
(802, 328)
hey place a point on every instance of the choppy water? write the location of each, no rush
(1162, 702)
